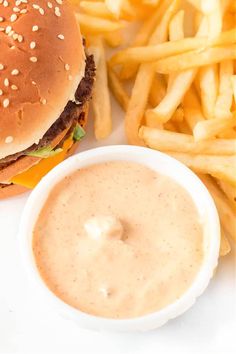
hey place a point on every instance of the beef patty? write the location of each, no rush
(73, 113)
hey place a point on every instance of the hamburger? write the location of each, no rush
(46, 82)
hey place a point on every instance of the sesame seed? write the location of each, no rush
(60, 36)
(57, 11)
(15, 36)
(33, 83)
(13, 47)
(18, 2)
(6, 103)
(32, 45)
(16, 9)
(1, 66)
(67, 67)
(1, 92)
(49, 5)
(20, 38)
(13, 18)
(23, 11)
(69, 77)
(2, 29)
(15, 72)
(8, 29)
(33, 59)
(43, 100)
(6, 82)
(9, 139)
(5, 3)
(41, 11)
(59, 2)
(24, 1)
(11, 33)
(14, 87)
(35, 28)
(36, 7)
(1, 19)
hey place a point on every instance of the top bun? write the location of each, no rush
(42, 61)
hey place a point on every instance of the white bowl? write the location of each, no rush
(161, 163)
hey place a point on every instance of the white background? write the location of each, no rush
(28, 326)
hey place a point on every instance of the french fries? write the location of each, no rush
(175, 79)
(144, 80)
(101, 97)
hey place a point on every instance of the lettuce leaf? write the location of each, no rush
(78, 133)
(45, 152)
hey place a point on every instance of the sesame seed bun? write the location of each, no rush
(12, 190)
(42, 61)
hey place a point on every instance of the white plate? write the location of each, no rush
(28, 327)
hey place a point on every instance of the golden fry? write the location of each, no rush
(195, 59)
(225, 97)
(101, 97)
(178, 142)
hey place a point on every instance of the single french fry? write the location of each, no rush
(225, 97)
(209, 83)
(94, 25)
(192, 108)
(209, 128)
(117, 89)
(101, 97)
(225, 247)
(143, 82)
(221, 167)
(176, 32)
(226, 214)
(195, 59)
(178, 142)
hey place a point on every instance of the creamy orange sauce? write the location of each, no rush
(118, 240)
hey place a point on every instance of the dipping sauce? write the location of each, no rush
(118, 240)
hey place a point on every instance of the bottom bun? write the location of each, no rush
(12, 190)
